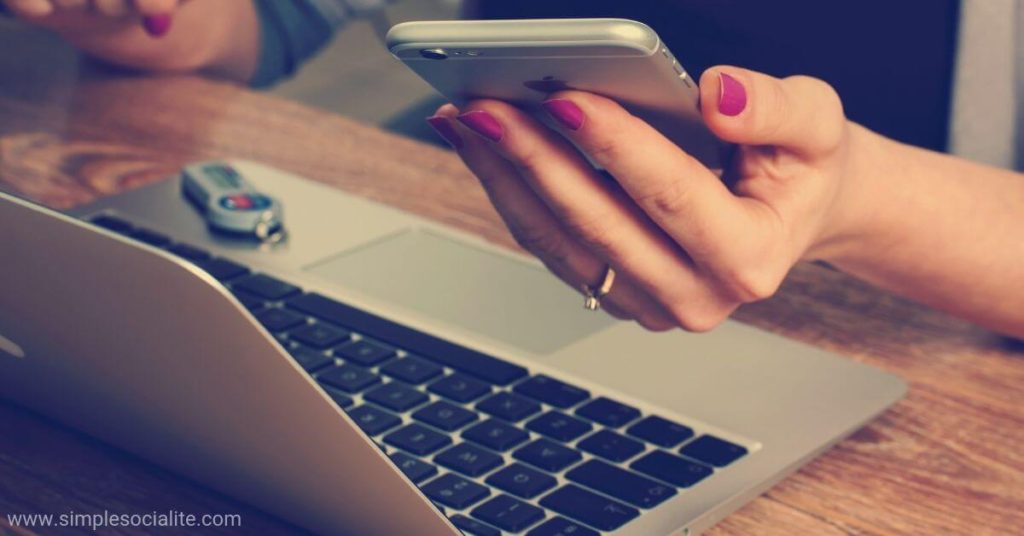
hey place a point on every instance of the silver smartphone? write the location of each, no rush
(523, 61)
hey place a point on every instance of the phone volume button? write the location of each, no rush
(685, 78)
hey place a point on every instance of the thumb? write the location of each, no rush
(799, 113)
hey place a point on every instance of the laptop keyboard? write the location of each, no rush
(498, 449)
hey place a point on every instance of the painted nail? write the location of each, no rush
(445, 129)
(157, 25)
(566, 112)
(483, 124)
(732, 97)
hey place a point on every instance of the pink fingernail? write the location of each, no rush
(483, 124)
(445, 129)
(566, 112)
(157, 25)
(732, 96)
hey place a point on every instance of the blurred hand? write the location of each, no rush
(688, 247)
(80, 18)
(219, 38)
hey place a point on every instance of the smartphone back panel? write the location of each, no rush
(524, 61)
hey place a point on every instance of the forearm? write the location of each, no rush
(939, 230)
(220, 38)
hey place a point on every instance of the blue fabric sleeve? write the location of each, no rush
(290, 32)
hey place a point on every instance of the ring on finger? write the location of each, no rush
(592, 295)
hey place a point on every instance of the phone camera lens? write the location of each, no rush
(434, 54)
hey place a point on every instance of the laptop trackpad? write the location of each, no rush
(440, 276)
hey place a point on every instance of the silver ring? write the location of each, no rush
(592, 296)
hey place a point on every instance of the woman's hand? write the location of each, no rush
(688, 247)
(98, 17)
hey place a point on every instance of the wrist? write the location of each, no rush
(866, 200)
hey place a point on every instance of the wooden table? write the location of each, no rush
(946, 460)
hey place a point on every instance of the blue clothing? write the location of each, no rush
(292, 31)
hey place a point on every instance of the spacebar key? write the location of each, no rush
(438, 350)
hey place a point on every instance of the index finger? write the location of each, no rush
(30, 8)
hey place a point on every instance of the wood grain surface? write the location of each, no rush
(946, 460)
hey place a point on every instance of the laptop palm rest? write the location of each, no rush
(450, 280)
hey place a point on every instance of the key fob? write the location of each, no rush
(230, 204)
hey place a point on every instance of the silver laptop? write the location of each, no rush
(376, 373)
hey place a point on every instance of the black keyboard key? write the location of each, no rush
(548, 455)
(460, 388)
(152, 238)
(522, 481)
(309, 359)
(265, 286)
(468, 459)
(590, 508)
(364, 352)
(560, 426)
(611, 446)
(496, 435)
(412, 370)
(713, 451)
(416, 469)
(418, 439)
(672, 469)
(560, 526)
(454, 491)
(320, 336)
(508, 514)
(438, 350)
(608, 412)
(482, 366)
(444, 415)
(621, 484)
(190, 253)
(327, 309)
(348, 378)
(275, 319)
(472, 527)
(111, 223)
(339, 398)
(222, 269)
(249, 301)
(396, 396)
(373, 420)
(551, 391)
(509, 406)
(661, 432)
